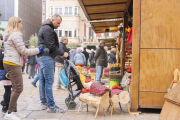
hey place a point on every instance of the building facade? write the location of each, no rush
(71, 14)
(30, 11)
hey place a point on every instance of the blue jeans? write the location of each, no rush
(37, 78)
(99, 72)
(46, 70)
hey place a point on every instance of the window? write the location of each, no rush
(76, 33)
(76, 11)
(56, 31)
(68, 33)
(51, 10)
(58, 10)
(60, 33)
(68, 11)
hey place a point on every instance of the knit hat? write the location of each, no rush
(102, 41)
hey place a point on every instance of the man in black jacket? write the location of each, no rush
(100, 59)
(91, 59)
(47, 38)
(86, 54)
(59, 60)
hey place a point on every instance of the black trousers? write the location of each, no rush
(93, 65)
(23, 67)
(7, 95)
(27, 68)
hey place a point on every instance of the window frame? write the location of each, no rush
(78, 10)
(58, 7)
(68, 33)
(77, 33)
(68, 12)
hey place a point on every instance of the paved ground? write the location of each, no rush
(29, 104)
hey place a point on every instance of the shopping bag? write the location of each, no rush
(63, 78)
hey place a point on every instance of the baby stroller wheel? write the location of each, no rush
(67, 101)
(72, 105)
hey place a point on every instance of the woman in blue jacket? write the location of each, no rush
(79, 58)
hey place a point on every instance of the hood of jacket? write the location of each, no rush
(48, 22)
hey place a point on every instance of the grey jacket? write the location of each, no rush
(101, 57)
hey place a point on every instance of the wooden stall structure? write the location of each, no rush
(105, 16)
(156, 51)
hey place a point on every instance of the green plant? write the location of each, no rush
(33, 40)
(1, 29)
(71, 45)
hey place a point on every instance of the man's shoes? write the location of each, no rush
(44, 106)
(11, 116)
(34, 84)
(55, 109)
(19, 115)
(32, 77)
(29, 77)
(58, 109)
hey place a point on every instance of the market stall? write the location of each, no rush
(155, 43)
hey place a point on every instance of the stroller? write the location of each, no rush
(74, 84)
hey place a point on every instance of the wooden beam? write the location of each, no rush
(123, 47)
(127, 6)
(84, 9)
(107, 18)
(136, 55)
(106, 26)
(105, 32)
(103, 4)
(105, 21)
(107, 12)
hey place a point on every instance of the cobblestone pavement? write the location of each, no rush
(30, 105)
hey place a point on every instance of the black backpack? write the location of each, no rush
(1, 60)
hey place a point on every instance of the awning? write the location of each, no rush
(100, 27)
(108, 41)
(104, 10)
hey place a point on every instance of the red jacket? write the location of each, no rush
(130, 36)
